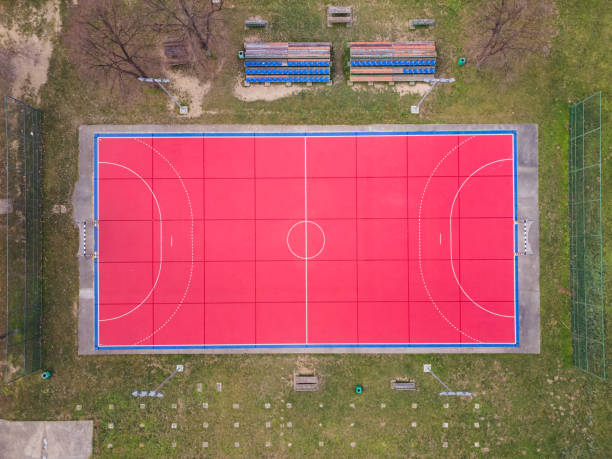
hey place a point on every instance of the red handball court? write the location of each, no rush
(299, 240)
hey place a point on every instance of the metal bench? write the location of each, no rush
(305, 383)
(414, 23)
(255, 24)
(403, 384)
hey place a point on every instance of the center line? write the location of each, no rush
(440, 238)
(170, 241)
(306, 239)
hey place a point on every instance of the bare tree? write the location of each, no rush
(507, 30)
(194, 18)
(115, 39)
(7, 70)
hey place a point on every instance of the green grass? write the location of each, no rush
(536, 404)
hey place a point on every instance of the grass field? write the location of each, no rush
(535, 405)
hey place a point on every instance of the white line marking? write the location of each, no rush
(440, 238)
(450, 221)
(419, 238)
(171, 241)
(306, 238)
(305, 224)
(160, 242)
(192, 244)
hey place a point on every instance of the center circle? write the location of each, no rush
(306, 240)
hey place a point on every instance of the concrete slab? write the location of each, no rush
(53, 439)
(527, 206)
(6, 206)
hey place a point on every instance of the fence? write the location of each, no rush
(23, 232)
(586, 245)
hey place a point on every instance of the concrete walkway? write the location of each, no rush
(50, 439)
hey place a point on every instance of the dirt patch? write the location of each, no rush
(401, 88)
(268, 93)
(190, 91)
(419, 88)
(305, 364)
(29, 54)
(252, 38)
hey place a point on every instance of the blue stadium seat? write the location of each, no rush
(283, 79)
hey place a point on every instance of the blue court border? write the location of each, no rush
(338, 346)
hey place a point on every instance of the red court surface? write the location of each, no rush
(306, 240)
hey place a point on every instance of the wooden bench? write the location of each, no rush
(340, 15)
(414, 23)
(177, 52)
(403, 384)
(255, 24)
(307, 383)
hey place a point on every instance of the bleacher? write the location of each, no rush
(274, 62)
(392, 61)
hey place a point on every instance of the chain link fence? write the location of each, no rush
(22, 230)
(586, 246)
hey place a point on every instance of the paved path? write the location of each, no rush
(52, 439)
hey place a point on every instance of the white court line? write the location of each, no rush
(192, 246)
(446, 319)
(171, 241)
(305, 224)
(160, 243)
(306, 238)
(450, 221)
